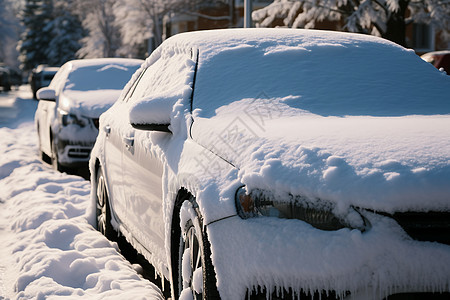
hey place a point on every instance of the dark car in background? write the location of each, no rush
(439, 59)
(41, 76)
(4, 79)
(9, 77)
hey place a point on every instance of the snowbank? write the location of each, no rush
(48, 247)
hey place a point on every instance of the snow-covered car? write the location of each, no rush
(9, 77)
(281, 163)
(5, 82)
(439, 59)
(68, 111)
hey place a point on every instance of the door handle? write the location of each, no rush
(107, 129)
(129, 141)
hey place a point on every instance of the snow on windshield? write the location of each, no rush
(102, 77)
(325, 77)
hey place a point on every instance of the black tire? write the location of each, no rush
(103, 211)
(54, 158)
(44, 157)
(195, 253)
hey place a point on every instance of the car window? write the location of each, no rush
(104, 76)
(166, 77)
(133, 87)
(59, 78)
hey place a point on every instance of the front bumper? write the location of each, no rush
(278, 255)
(74, 153)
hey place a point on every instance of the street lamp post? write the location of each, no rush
(247, 13)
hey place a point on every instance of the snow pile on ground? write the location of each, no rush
(48, 248)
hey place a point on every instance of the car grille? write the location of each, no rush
(260, 293)
(79, 153)
(419, 296)
(430, 226)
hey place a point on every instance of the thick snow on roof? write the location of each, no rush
(81, 63)
(93, 85)
(100, 74)
(329, 73)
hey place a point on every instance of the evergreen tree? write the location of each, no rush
(51, 34)
(103, 38)
(9, 33)
(385, 18)
(66, 32)
(36, 38)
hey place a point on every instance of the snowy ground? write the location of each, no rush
(48, 250)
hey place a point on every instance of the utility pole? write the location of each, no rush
(248, 13)
(231, 12)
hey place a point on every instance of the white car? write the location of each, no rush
(281, 163)
(68, 110)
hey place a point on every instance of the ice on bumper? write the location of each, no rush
(276, 253)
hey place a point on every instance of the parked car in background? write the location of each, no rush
(41, 76)
(5, 83)
(68, 110)
(281, 163)
(439, 59)
(9, 77)
(15, 77)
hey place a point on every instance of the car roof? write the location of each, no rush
(50, 70)
(442, 52)
(81, 63)
(211, 42)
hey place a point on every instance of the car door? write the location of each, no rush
(112, 168)
(143, 164)
(112, 126)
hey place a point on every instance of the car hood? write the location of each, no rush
(381, 163)
(88, 103)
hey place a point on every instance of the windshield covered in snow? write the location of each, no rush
(324, 79)
(103, 77)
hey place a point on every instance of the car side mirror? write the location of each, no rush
(152, 127)
(152, 113)
(46, 94)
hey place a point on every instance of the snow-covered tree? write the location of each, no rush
(9, 33)
(140, 20)
(36, 38)
(103, 38)
(65, 31)
(136, 27)
(386, 18)
(51, 33)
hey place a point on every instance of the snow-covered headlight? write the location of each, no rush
(68, 119)
(317, 213)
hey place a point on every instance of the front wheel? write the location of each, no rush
(103, 212)
(196, 276)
